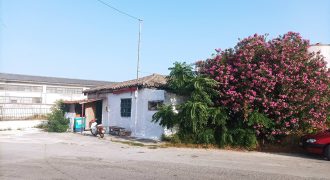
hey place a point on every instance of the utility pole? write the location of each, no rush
(137, 77)
(138, 54)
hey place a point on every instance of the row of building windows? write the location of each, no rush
(61, 90)
(20, 100)
(25, 88)
(126, 106)
(6, 87)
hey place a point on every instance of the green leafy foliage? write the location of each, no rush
(244, 137)
(206, 137)
(218, 116)
(180, 77)
(258, 91)
(223, 136)
(257, 118)
(165, 116)
(56, 120)
(199, 119)
(194, 116)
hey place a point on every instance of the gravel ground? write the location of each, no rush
(31, 154)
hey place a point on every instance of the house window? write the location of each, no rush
(154, 105)
(125, 107)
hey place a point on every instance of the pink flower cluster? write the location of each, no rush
(278, 77)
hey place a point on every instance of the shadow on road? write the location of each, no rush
(300, 155)
(125, 138)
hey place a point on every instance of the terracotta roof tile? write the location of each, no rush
(152, 81)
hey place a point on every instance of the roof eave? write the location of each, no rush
(91, 91)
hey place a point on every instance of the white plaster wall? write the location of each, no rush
(13, 125)
(50, 98)
(105, 114)
(115, 118)
(145, 128)
(141, 127)
(173, 99)
(325, 51)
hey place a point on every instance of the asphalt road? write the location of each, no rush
(38, 155)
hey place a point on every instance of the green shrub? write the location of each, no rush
(244, 138)
(184, 137)
(56, 120)
(165, 138)
(206, 137)
(223, 136)
(200, 119)
(43, 125)
(165, 116)
(175, 139)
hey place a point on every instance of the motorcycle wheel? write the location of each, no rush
(101, 135)
(93, 132)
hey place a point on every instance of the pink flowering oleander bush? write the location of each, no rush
(273, 87)
(259, 91)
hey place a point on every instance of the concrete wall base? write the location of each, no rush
(13, 125)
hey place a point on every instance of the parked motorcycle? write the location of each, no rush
(97, 128)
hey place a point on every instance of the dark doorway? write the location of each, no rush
(78, 109)
(98, 112)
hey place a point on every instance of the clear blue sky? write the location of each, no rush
(85, 39)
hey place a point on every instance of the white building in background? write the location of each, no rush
(23, 96)
(324, 49)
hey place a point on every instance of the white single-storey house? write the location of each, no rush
(131, 104)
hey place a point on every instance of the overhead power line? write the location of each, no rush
(121, 12)
(138, 54)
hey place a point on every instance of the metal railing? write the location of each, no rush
(8, 113)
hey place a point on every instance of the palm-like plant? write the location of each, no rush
(197, 118)
(203, 89)
(180, 77)
(165, 116)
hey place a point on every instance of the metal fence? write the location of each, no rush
(23, 113)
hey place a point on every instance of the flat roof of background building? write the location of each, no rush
(320, 44)
(20, 78)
